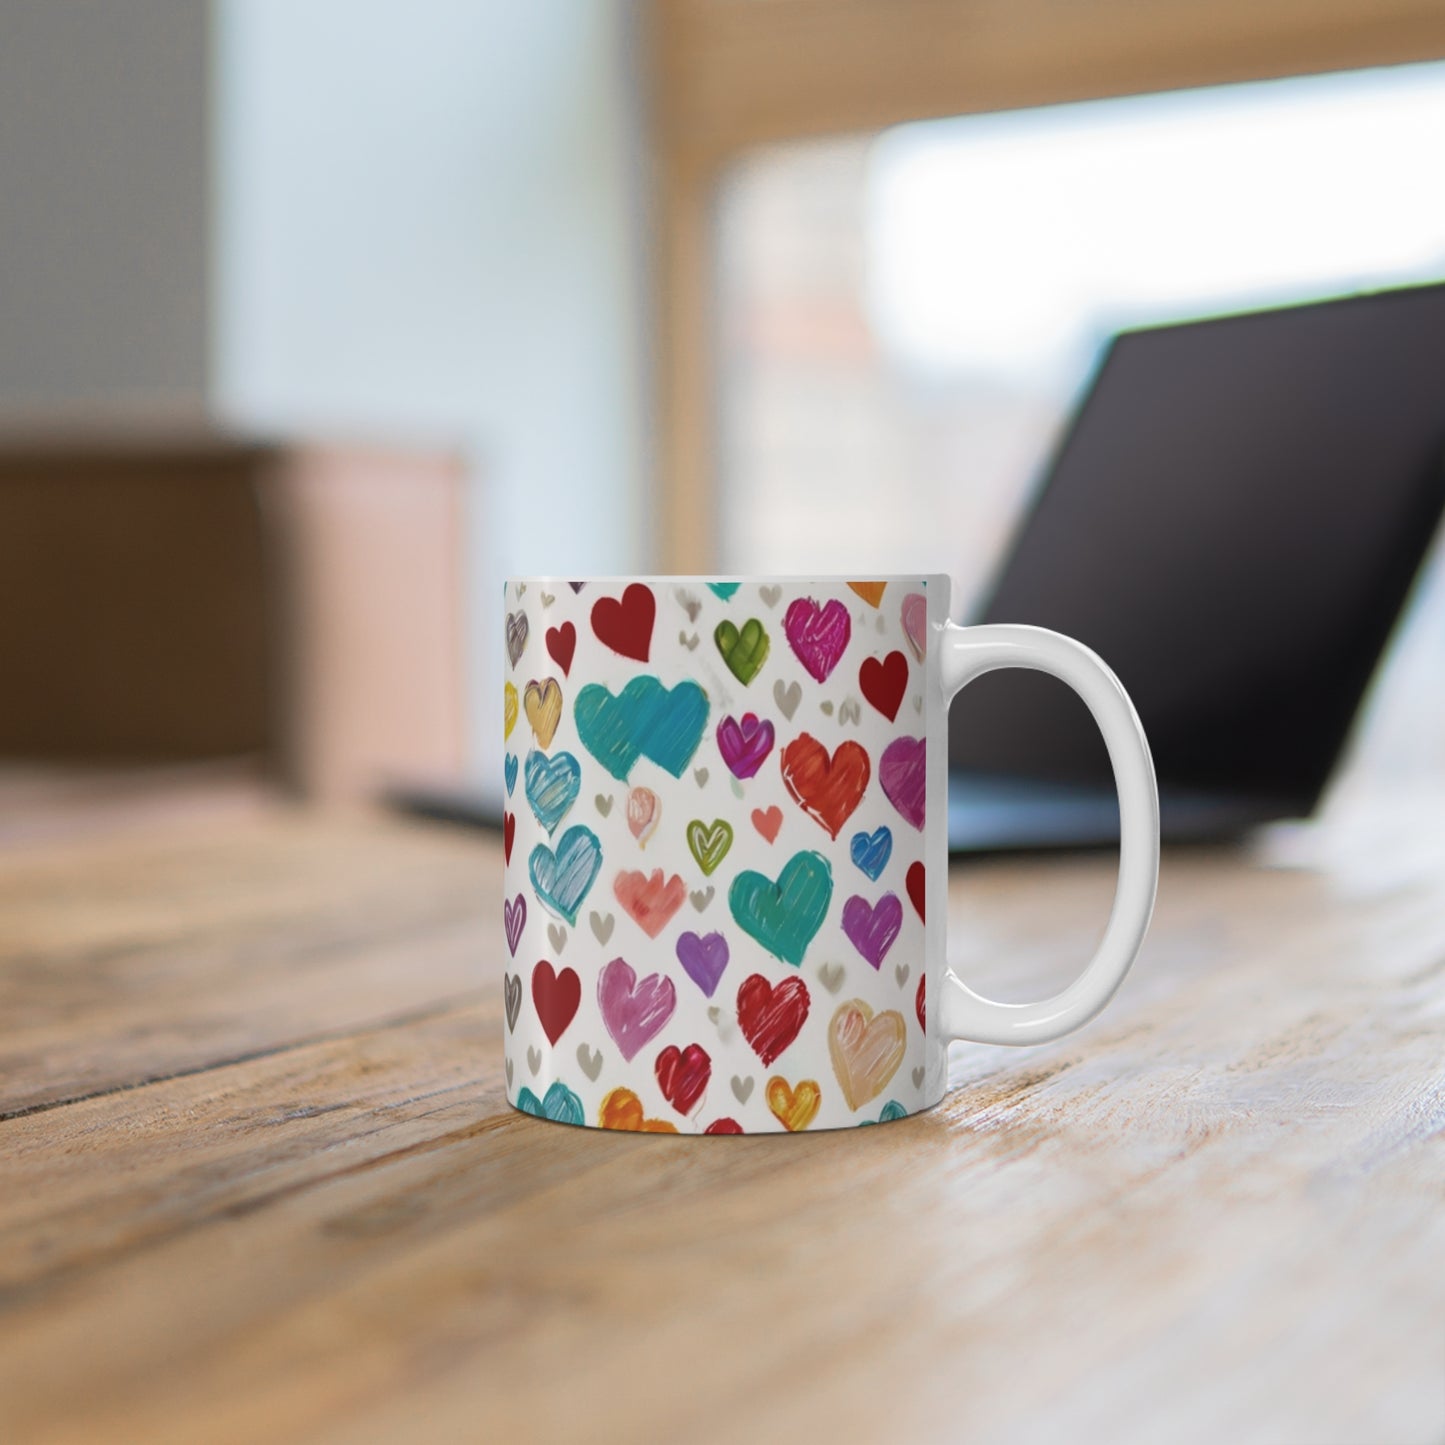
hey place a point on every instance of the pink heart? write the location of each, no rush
(903, 776)
(915, 623)
(514, 915)
(818, 635)
(634, 1011)
(744, 745)
(642, 813)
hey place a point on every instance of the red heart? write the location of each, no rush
(626, 626)
(556, 996)
(509, 832)
(918, 1003)
(771, 1018)
(917, 876)
(768, 821)
(884, 683)
(682, 1075)
(724, 1126)
(827, 789)
(650, 901)
(562, 643)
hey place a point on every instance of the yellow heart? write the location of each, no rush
(870, 592)
(794, 1108)
(543, 702)
(509, 711)
(866, 1051)
(622, 1109)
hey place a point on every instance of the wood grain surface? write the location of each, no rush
(260, 1181)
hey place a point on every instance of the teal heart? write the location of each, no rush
(509, 769)
(784, 916)
(891, 1110)
(725, 590)
(552, 786)
(644, 721)
(562, 879)
(560, 1105)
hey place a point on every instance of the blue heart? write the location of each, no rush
(509, 769)
(891, 1110)
(871, 854)
(725, 590)
(561, 879)
(552, 786)
(560, 1105)
(784, 916)
(646, 721)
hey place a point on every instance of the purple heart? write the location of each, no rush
(633, 1010)
(873, 929)
(818, 634)
(514, 915)
(903, 776)
(744, 744)
(704, 959)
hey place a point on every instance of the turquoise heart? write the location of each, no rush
(509, 769)
(644, 721)
(891, 1110)
(552, 786)
(562, 879)
(784, 916)
(560, 1105)
(725, 590)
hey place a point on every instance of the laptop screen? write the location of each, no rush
(1232, 522)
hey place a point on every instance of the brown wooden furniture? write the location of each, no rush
(260, 1181)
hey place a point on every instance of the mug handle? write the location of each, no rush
(969, 652)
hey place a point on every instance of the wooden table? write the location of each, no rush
(260, 1183)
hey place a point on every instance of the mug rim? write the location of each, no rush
(842, 579)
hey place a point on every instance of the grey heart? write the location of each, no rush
(604, 804)
(918, 703)
(880, 622)
(517, 629)
(521, 588)
(509, 1073)
(590, 1060)
(601, 926)
(512, 997)
(558, 935)
(534, 1059)
(743, 1088)
(700, 776)
(831, 976)
(770, 595)
(701, 897)
(722, 1022)
(918, 1077)
(787, 698)
(689, 642)
(826, 708)
(690, 604)
(851, 711)
(548, 598)
(901, 974)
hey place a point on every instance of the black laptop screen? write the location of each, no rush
(1232, 521)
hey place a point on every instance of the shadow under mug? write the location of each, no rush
(726, 867)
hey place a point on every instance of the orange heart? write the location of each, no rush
(870, 592)
(509, 710)
(543, 702)
(622, 1109)
(826, 788)
(650, 902)
(866, 1050)
(794, 1108)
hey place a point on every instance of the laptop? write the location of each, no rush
(1233, 521)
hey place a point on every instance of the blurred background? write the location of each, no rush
(319, 319)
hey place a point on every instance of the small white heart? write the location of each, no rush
(601, 926)
(604, 804)
(689, 642)
(831, 976)
(701, 897)
(701, 776)
(534, 1059)
(509, 1073)
(743, 1088)
(722, 1022)
(826, 708)
(548, 598)
(918, 703)
(521, 588)
(901, 974)
(851, 711)
(770, 595)
(690, 604)
(880, 622)
(918, 1077)
(558, 935)
(787, 698)
(590, 1061)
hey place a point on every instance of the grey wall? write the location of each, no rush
(104, 174)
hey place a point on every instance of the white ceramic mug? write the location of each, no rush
(726, 851)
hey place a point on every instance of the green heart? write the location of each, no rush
(744, 652)
(709, 845)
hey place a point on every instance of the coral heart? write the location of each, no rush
(517, 630)
(724, 1126)
(644, 720)
(703, 959)
(560, 1105)
(866, 1050)
(626, 625)
(903, 774)
(709, 845)
(871, 928)
(917, 877)
(509, 710)
(914, 613)
(562, 645)
(649, 900)
(552, 785)
(644, 811)
(633, 1011)
(817, 635)
(871, 852)
(744, 651)
(827, 789)
(556, 996)
(920, 1003)
(543, 702)
(682, 1075)
(622, 1109)
(514, 918)
(768, 821)
(562, 879)
(784, 916)
(794, 1107)
(884, 683)
(744, 745)
(771, 1018)
(870, 592)
(509, 833)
